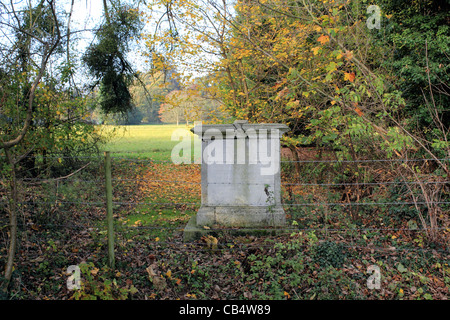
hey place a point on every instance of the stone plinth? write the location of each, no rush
(240, 174)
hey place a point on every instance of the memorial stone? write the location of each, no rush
(240, 175)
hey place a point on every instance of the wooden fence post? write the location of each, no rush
(109, 210)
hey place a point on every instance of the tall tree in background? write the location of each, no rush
(156, 85)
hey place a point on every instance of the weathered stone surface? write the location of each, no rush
(241, 216)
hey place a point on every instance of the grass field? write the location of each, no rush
(152, 183)
(143, 141)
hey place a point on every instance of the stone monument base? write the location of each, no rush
(236, 220)
(241, 216)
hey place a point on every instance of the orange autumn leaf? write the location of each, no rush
(323, 39)
(359, 112)
(349, 76)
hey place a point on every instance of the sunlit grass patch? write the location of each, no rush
(142, 141)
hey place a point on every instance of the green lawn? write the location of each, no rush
(143, 141)
(151, 142)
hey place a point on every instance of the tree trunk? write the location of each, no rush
(12, 220)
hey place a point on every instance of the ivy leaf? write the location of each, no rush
(133, 290)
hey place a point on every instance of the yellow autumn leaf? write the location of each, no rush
(169, 274)
(315, 50)
(349, 76)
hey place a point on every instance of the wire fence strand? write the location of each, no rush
(125, 229)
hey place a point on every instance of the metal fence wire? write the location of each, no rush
(79, 201)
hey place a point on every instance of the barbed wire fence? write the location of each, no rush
(80, 202)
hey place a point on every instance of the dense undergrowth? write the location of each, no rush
(325, 252)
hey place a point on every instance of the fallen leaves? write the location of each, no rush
(159, 282)
(169, 265)
(211, 241)
(95, 271)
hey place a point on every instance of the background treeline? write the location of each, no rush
(158, 98)
(343, 77)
